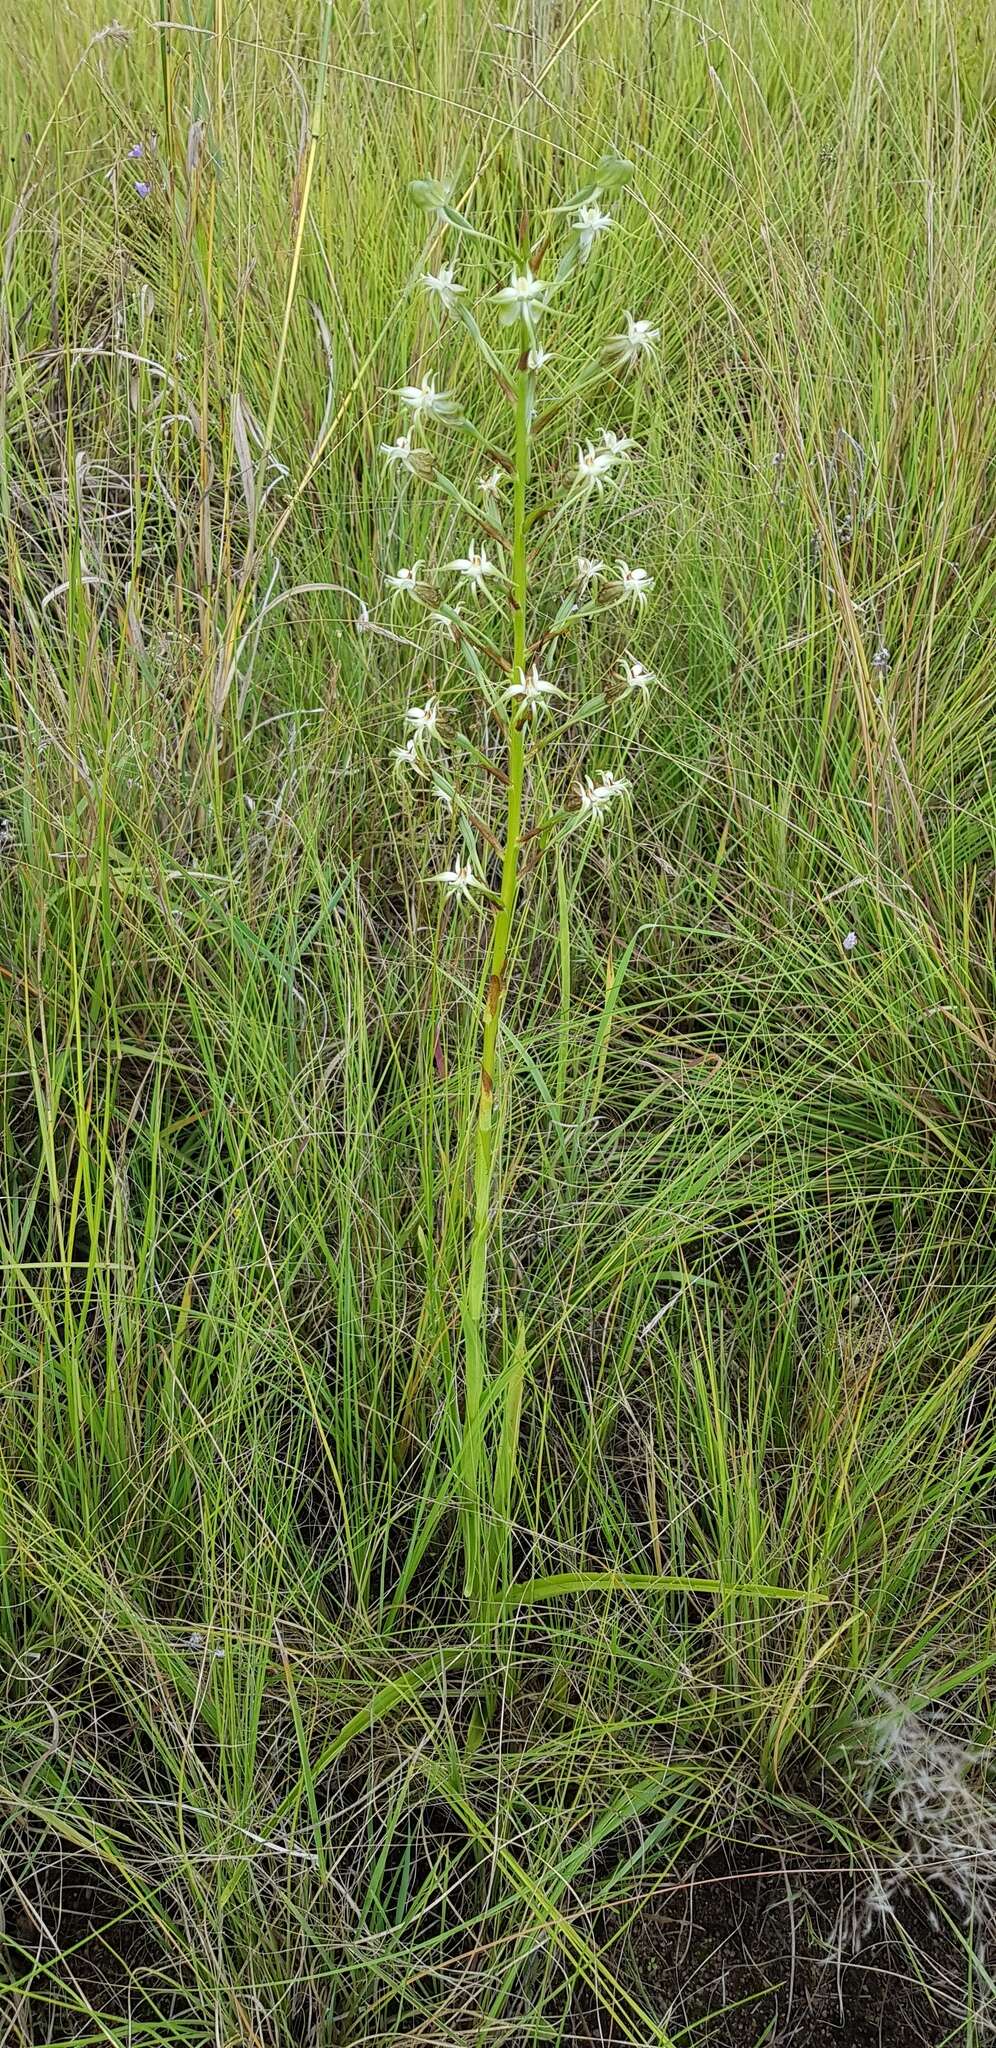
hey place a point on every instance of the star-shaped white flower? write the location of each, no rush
(523, 298)
(407, 580)
(491, 486)
(624, 351)
(589, 572)
(537, 358)
(407, 759)
(424, 720)
(531, 690)
(619, 446)
(589, 223)
(634, 584)
(460, 881)
(442, 287)
(637, 680)
(425, 402)
(397, 454)
(597, 793)
(595, 467)
(475, 568)
(403, 454)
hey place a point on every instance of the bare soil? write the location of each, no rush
(752, 1950)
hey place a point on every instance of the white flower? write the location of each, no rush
(407, 580)
(634, 584)
(532, 690)
(491, 486)
(399, 451)
(850, 942)
(407, 759)
(596, 794)
(588, 572)
(474, 567)
(595, 467)
(619, 446)
(459, 881)
(443, 287)
(403, 454)
(537, 358)
(523, 298)
(424, 401)
(637, 679)
(589, 223)
(623, 351)
(424, 718)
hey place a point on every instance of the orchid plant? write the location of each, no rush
(515, 515)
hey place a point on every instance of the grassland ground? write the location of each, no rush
(716, 1765)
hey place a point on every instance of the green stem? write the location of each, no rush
(476, 1504)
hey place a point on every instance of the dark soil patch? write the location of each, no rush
(69, 1942)
(750, 1950)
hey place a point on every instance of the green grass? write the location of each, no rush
(744, 1326)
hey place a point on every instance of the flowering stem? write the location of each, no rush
(474, 1312)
